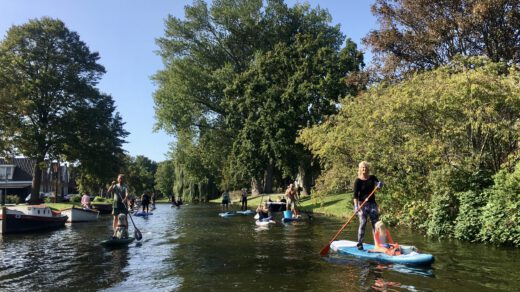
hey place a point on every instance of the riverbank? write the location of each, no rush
(333, 205)
(338, 205)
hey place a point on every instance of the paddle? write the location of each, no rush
(137, 233)
(325, 250)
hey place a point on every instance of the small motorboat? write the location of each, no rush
(77, 215)
(26, 218)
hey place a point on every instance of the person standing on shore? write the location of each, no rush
(119, 193)
(364, 185)
(225, 201)
(244, 199)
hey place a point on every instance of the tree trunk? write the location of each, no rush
(36, 183)
(268, 179)
(306, 173)
(255, 187)
(304, 180)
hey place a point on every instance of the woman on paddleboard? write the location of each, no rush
(363, 187)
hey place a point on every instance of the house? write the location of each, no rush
(16, 177)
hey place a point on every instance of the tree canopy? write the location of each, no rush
(422, 34)
(242, 78)
(51, 109)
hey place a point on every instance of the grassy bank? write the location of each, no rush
(339, 205)
(61, 206)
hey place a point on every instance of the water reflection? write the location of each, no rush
(193, 249)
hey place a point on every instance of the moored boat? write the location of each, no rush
(77, 215)
(22, 218)
(409, 256)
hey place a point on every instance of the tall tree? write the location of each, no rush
(165, 177)
(50, 106)
(423, 34)
(220, 81)
(140, 171)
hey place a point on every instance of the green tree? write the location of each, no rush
(422, 34)
(140, 173)
(50, 106)
(165, 178)
(243, 77)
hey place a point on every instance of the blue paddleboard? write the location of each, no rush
(409, 257)
(143, 214)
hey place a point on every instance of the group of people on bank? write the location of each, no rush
(290, 200)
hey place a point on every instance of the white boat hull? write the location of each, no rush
(77, 215)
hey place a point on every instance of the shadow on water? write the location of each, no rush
(412, 270)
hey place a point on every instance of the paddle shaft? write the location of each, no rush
(326, 248)
(138, 234)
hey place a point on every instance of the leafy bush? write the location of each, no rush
(442, 214)
(441, 132)
(501, 215)
(76, 198)
(469, 219)
(415, 214)
(12, 199)
(100, 199)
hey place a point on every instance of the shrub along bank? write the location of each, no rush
(446, 144)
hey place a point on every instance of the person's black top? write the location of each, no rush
(363, 188)
(262, 215)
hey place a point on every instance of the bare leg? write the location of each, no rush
(114, 224)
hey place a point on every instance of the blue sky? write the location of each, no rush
(124, 33)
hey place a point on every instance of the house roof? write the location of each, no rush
(23, 170)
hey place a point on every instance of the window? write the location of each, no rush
(6, 172)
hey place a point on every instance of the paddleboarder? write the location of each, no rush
(363, 186)
(119, 193)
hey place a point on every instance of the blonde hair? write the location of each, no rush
(380, 227)
(361, 164)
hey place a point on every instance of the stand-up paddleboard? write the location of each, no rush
(410, 254)
(116, 242)
(227, 214)
(143, 214)
(264, 222)
(246, 212)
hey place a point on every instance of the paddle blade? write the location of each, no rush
(138, 234)
(325, 250)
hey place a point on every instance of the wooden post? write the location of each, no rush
(3, 217)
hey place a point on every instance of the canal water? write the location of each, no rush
(193, 249)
